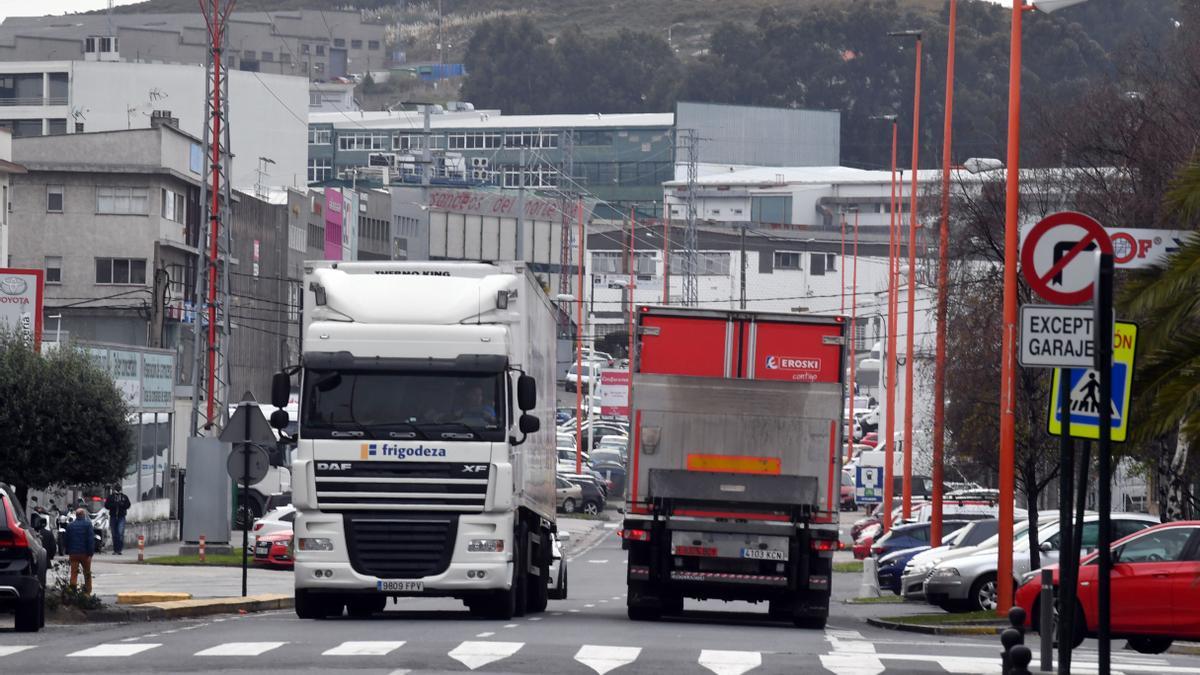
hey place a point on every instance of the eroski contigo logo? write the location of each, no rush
(370, 450)
(792, 363)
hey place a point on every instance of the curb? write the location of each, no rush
(935, 630)
(182, 609)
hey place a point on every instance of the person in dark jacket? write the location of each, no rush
(117, 505)
(80, 544)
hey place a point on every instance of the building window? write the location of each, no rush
(479, 140)
(54, 199)
(318, 67)
(530, 139)
(268, 56)
(593, 138)
(405, 142)
(173, 206)
(122, 200)
(53, 269)
(356, 44)
(318, 136)
(821, 263)
(124, 271)
(249, 55)
(314, 99)
(320, 50)
(339, 42)
(320, 169)
(708, 263)
(373, 44)
(79, 127)
(364, 140)
(303, 48)
(56, 127)
(786, 260)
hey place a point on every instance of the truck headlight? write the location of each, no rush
(314, 544)
(485, 546)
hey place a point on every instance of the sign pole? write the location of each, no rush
(245, 502)
(1104, 357)
(1067, 572)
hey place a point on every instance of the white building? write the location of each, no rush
(267, 113)
(7, 167)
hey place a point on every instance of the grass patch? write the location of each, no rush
(211, 560)
(881, 600)
(948, 618)
(852, 567)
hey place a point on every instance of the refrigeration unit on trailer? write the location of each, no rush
(735, 450)
(422, 468)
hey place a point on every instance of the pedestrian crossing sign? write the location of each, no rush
(1085, 391)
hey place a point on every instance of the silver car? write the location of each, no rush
(966, 542)
(969, 583)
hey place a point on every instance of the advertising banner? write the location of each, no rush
(333, 224)
(21, 304)
(614, 393)
(145, 378)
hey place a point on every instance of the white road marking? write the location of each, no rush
(556, 613)
(485, 634)
(616, 597)
(116, 649)
(573, 611)
(589, 606)
(476, 654)
(610, 526)
(853, 663)
(363, 649)
(724, 662)
(602, 659)
(535, 618)
(400, 671)
(598, 562)
(510, 625)
(6, 650)
(603, 602)
(240, 649)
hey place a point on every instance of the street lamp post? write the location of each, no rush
(906, 508)
(890, 351)
(852, 350)
(939, 371)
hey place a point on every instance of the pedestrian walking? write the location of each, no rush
(80, 544)
(117, 505)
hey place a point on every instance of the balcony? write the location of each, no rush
(38, 101)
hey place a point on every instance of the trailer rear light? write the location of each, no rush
(824, 545)
(635, 535)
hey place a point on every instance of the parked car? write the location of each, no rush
(602, 455)
(573, 381)
(594, 492)
(980, 533)
(910, 536)
(277, 520)
(970, 583)
(569, 495)
(1155, 597)
(23, 564)
(274, 550)
(615, 474)
(557, 579)
(891, 566)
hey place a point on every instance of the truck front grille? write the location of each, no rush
(400, 548)
(401, 486)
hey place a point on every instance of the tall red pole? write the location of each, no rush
(1008, 356)
(853, 344)
(579, 350)
(912, 286)
(888, 366)
(939, 369)
(632, 284)
(843, 218)
(216, 31)
(666, 296)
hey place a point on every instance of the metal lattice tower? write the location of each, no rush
(210, 372)
(565, 254)
(691, 286)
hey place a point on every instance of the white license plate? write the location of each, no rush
(760, 554)
(263, 549)
(401, 586)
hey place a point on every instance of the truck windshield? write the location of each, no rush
(403, 405)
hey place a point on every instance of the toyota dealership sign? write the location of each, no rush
(21, 304)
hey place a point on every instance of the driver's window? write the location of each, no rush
(1161, 546)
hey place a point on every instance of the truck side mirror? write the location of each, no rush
(526, 393)
(281, 390)
(529, 424)
(280, 419)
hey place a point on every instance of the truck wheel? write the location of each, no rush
(810, 622)
(520, 579)
(780, 610)
(539, 587)
(672, 604)
(29, 614)
(639, 609)
(312, 606)
(361, 608)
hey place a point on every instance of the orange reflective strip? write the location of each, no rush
(735, 464)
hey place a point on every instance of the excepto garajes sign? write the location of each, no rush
(21, 304)
(1056, 337)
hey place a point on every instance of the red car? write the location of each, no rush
(274, 550)
(1155, 593)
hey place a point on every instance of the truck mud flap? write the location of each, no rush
(794, 494)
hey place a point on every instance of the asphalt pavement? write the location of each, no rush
(586, 633)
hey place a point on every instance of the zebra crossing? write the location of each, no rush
(848, 654)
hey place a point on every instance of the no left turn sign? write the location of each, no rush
(1057, 258)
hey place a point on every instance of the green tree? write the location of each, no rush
(62, 423)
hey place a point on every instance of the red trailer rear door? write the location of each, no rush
(686, 345)
(796, 352)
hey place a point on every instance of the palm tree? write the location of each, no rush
(1165, 302)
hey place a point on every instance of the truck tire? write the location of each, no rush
(520, 579)
(639, 609)
(363, 607)
(672, 603)
(30, 614)
(312, 606)
(539, 586)
(810, 622)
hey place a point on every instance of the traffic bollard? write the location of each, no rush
(1046, 628)
(1010, 638)
(1019, 660)
(1016, 617)
(141, 548)
(869, 588)
(201, 551)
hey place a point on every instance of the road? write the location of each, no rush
(587, 633)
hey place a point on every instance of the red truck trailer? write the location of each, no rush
(732, 491)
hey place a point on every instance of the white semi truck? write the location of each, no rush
(422, 465)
